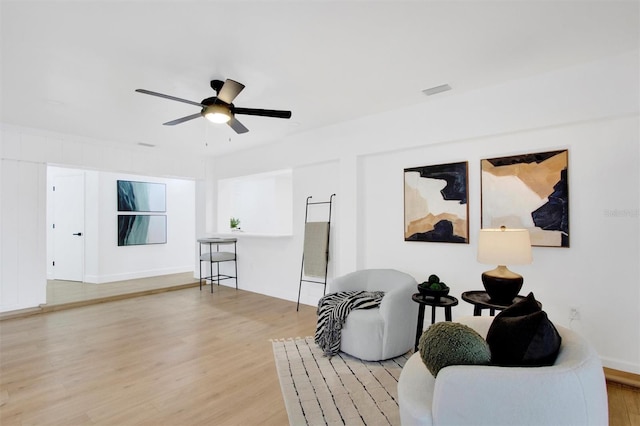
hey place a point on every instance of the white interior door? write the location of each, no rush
(68, 231)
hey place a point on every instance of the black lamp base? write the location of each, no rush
(502, 290)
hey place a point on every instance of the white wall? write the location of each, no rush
(270, 192)
(25, 154)
(118, 263)
(105, 261)
(590, 109)
(603, 256)
(22, 229)
(271, 264)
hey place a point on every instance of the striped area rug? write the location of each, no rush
(341, 391)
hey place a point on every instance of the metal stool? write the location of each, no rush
(217, 257)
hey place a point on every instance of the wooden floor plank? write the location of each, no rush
(61, 292)
(184, 357)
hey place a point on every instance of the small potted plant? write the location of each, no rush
(433, 287)
(234, 222)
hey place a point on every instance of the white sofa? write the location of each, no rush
(385, 332)
(570, 392)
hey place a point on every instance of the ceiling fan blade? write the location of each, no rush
(263, 112)
(173, 98)
(237, 126)
(230, 89)
(182, 120)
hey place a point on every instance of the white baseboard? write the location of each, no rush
(620, 365)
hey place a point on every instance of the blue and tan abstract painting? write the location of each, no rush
(435, 203)
(141, 196)
(528, 191)
(136, 229)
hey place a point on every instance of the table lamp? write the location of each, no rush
(503, 247)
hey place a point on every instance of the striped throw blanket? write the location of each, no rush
(333, 310)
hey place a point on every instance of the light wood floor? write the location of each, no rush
(72, 294)
(624, 405)
(177, 358)
(61, 293)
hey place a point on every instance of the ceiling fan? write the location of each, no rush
(219, 108)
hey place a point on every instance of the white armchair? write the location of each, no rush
(570, 392)
(384, 332)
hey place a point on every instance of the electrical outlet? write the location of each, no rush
(574, 313)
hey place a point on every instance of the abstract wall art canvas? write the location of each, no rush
(528, 191)
(135, 229)
(141, 196)
(435, 203)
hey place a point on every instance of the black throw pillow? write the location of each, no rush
(522, 335)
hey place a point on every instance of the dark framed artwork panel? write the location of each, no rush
(141, 196)
(528, 191)
(137, 229)
(435, 203)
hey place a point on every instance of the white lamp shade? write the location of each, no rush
(504, 247)
(217, 113)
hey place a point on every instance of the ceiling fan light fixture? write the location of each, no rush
(217, 114)
(219, 108)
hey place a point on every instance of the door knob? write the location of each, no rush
(79, 234)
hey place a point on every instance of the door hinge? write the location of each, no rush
(54, 188)
(54, 226)
(54, 263)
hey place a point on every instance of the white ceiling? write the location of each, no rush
(73, 66)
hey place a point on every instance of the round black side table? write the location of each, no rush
(445, 302)
(481, 300)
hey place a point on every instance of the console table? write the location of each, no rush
(445, 302)
(216, 256)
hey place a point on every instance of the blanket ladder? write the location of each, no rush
(315, 253)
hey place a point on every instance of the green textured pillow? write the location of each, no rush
(451, 343)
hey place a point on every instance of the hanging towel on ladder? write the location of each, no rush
(316, 241)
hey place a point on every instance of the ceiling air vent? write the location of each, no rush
(437, 89)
